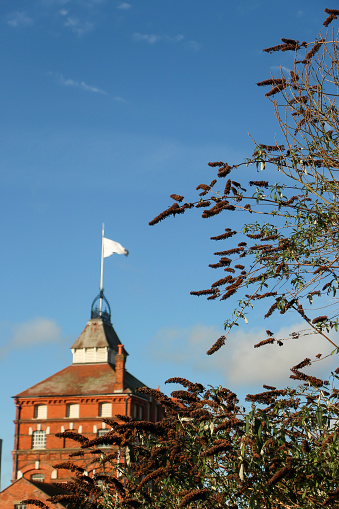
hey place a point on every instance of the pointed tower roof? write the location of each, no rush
(98, 334)
(98, 364)
(98, 342)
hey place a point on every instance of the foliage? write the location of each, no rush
(209, 453)
(287, 248)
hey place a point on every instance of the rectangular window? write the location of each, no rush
(72, 410)
(39, 440)
(105, 409)
(40, 411)
(20, 506)
(138, 412)
(101, 433)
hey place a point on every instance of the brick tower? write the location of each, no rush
(94, 386)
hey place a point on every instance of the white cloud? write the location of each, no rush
(270, 363)
(238, 364)
(80, 84)
(19, 19)
(119, 99)
(176, 38)
(280, 68)
(77, 26)
(152, 38)
(89, 88)
(63, 12)
(193, 45)
(124, 6)
(39, 331)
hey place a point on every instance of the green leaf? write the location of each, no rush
(247, 423)
(319, 416)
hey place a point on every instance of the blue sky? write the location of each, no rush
(108, 107)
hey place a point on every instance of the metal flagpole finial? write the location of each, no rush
(105, 314)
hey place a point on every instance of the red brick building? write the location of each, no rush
(94, 386)
(22, 489)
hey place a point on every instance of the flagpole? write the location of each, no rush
(102, 267)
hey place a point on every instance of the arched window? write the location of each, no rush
(38, 477)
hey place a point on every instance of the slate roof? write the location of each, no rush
(98, 333)
(81, 380)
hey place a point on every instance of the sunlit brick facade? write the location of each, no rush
(94, 386)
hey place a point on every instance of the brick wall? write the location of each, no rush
(28, 461)
(21, 490)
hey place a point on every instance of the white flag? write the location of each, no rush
(111, 247)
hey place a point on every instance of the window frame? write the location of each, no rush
(39, 439)
(39, 477)
(37, 414)
(69, 406)
(107, 405)
(100, 434)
